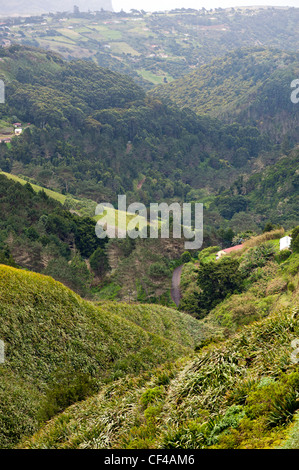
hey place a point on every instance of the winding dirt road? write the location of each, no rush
(175, 285)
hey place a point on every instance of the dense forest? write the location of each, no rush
(250, 86)
(96, 137)
(37, 233)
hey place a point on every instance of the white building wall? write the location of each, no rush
(285, 243)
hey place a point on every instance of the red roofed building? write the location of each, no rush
(228, 250)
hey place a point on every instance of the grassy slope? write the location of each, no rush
(53, 194)
(269, 287)
(224, 397)
(238, 393)
(82, 206)
(155, 318)
(47, 330)
(232, 83)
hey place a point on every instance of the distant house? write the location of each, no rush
(18, 131)
(228, 250)
(17, 124)
(285, 243)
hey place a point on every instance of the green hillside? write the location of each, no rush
(52, 194)
(242, 287)
(247, 85)
(97, 355)
(60, 348)
(239, 391)
(241, 394)
(100, 136)
(38, 233)
(268, 195)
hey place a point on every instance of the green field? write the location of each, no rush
(123, 48)
(152, 77)
(191, 39)
(112, 217)
(107, 33)
(53, 194)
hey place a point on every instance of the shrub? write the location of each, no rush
(74, 275)
(67, 388)
(186, 257)
(269, 227)
(6, 257)
(158, 269)
(240, 393)
(99, 262)
(291, 265)
(283, 255)
(273, 235)
(207, 252)
(217, 280)
(276, 286)
(237, 310)
(151, 395)
(231, 419)
(276, 401)
(291, 287)
(257, 257)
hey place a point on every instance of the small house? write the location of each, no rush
(285, 243)
(228, 250)
(18, 131)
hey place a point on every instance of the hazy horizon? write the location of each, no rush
(157, 5)
(15, 7)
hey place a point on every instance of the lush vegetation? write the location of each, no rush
(249, 86)
(243, 286)
(38, 233)
(268, 195)
(120, 369)
(60, 348)
(99, 137)
(231, 394)
(240, 394)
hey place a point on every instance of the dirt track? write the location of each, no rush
(175, 285)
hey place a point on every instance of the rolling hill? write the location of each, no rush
(247, 85)
(240, 395)
(100, 135)
(235, 393)
(158, 47)
(55, 342)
